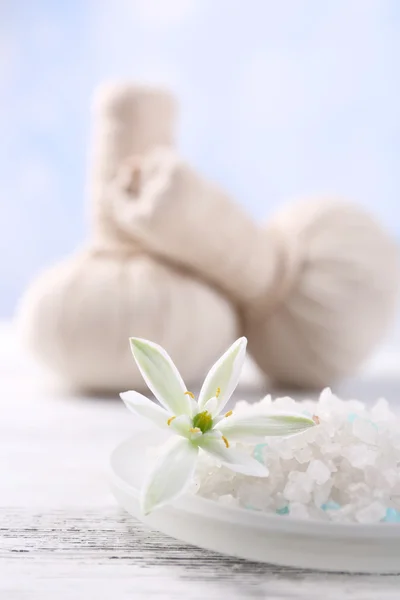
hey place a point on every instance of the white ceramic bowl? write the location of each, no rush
(255, 536)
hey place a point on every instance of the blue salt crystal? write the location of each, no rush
(283, 511)
(353, 416)
(330, 506)
(392, 516)
(251, 507)
(258, 452)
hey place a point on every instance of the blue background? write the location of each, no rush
(279, 100)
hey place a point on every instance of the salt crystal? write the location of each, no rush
(372, 513)
(285, 404)
(343, 514)
(359, 490)
(395, 439)
(355, 406)
(258, 495)
(318, 471)
(392, 516)
(228, 500)
(358, 455)
(298, 511)
(302, 478)
(372, 456)
(331, 449)
(282, 511)
(379, 477)
(303, 455)
(379, 495)
(251, 495)
(391, 476)
(326, 397)
(266, 401)
(330, 506)
(279, 501)
(295, 492)
(345, 470)
(321, 493)
(300, 441)
(251, 507)
(342, 479)
(299, 487)
(381, 411)
(285, 450)
(258, 452)
(373, 477)
(365, 430)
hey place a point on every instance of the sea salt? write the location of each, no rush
(372, 513)
(299, 487)
(318, 471)
(345, 470)
(365, 430)
(299, 511)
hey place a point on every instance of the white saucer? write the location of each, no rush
(254, 536)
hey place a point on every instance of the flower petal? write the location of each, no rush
(181, 425)
(143, 407)
(161, 375)
(261, 425)
(211, 406)
(231, 457)
(224, 375)
(171, 474)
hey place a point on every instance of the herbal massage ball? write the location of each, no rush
(316, 288)
(336, 294)
(77, 317)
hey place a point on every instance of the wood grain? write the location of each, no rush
(107, 554)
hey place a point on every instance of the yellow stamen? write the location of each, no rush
(189, 394)
(217, 393)
(229, 413)
(225, 441)
(316, 419)
(195, 430)
(170, 420)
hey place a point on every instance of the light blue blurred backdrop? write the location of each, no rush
(279, 99)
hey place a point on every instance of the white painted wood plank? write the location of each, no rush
(105, 554)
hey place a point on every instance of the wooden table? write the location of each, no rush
(63, 536)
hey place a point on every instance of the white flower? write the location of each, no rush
(198, 425)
